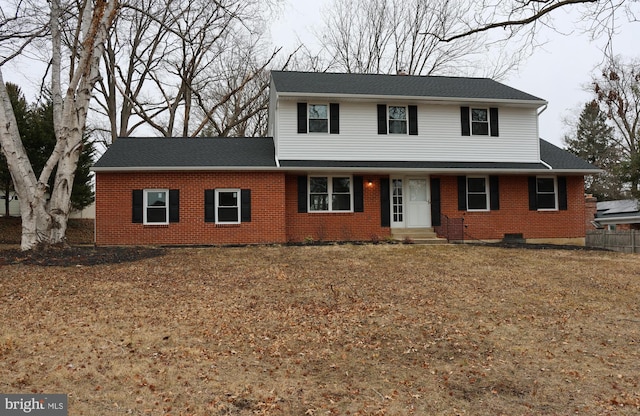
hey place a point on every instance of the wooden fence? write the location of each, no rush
(624, 241)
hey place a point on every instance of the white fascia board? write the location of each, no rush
(619, 220)
(186, 169)
(421, 98)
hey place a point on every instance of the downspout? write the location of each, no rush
(542, 111)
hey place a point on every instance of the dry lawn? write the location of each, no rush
(360, 330)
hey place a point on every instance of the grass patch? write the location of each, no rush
(368, 329)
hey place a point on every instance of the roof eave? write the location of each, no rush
(306, 95)
(181, 168)
(619, 220)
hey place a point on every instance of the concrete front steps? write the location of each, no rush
(417, 235)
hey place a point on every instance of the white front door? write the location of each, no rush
(418, 205)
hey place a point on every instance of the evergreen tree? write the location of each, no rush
(35, 123)
(21, 110)
(594, 142)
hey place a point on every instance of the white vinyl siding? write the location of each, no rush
(439, 137)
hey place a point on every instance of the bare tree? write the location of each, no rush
(617, 90)
(389, 36)
(77, 32)
(172, 66)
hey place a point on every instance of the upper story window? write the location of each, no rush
(318, 118)
(397, 120)
(479, 121)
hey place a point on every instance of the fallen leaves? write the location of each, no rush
(329, 330)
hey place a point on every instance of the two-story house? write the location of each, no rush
(351, 157)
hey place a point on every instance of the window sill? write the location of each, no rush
(221, 225)
(151, 225)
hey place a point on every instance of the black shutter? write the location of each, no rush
(209, 206)
(464, 121)
(245, 205)
(493, 121)
(334, 118)
(137, 202)
(462, 193)
(174, 205)
(494, 193)
(385, 203)
(358, 194)
(413, 120)
(382, 119)
(302, 117)
(302, 193)
(562, 193)
(533, 194)
(435, 202)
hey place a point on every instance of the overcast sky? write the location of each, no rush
(557, 72)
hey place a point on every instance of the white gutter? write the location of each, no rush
(546, 164)
(421, 98)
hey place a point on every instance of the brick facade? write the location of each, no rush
(114, 205)
(275, 217)
(351, 226)
(514, 216)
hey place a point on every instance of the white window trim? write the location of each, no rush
(486, 192)
(488, 122)
(406, 119)
(329, 193)
(555, 192)
(309, 118)
(145, 206)
(216, 205)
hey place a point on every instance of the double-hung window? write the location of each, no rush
(318, 118)
(479, 121)
(330, 193)
(227, 206)
(156, 206)
(546, 193)
(397, 119)
(477, 194)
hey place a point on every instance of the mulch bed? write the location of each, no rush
(78, 256)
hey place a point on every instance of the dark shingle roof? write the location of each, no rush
(559, 158)
(189, 153)
(397, 85)
(259, 153)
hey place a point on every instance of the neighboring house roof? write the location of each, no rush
(188, 153)
(423, 87)
(625, 211)
(147, 154)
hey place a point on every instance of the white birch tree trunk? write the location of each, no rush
(45, 223)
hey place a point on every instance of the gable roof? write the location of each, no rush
(374, 85)
(188, 153)
(162, 154)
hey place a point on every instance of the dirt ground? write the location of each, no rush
(331, 330)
